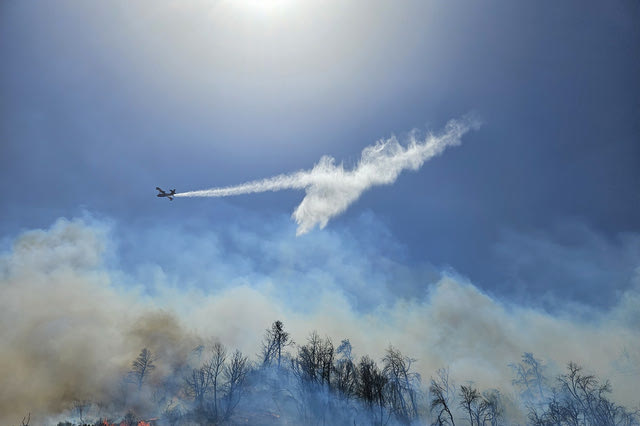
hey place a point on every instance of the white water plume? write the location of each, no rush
(330, 189)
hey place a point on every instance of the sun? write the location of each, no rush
(267, 8)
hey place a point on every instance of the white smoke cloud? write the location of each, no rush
(330, 189)
(70, 325)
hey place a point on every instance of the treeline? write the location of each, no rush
(575, 398)
(318, 383)
(310, 383)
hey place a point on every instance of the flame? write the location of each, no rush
(104, 422)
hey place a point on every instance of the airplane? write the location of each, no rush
(164, 194)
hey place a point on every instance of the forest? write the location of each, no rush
(319, 382)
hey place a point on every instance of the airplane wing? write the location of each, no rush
(158, 188)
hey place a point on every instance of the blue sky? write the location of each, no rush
(102, 102)
(529, 231)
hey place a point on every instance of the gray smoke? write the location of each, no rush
(71, 326)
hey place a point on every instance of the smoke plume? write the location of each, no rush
(330, 189)
(71, 325)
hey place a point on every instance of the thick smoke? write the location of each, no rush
(68, 333)
(71, 326)
(330, 189)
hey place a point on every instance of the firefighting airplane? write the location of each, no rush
(164, 194)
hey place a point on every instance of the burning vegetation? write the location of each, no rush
(317, 383)
(125, 423)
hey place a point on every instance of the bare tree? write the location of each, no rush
(214, 368)
(26, 420)
(142, 366)
(440, 397)
(491, 407)
(482, 409)
(581, 399)
(530, 378)
(470, 402)
(197, 385)
(371, 385)
(80, 407)
(345, 372)
(327, 354)
(207, 380)
(235, 374)
(314, 362)
(312, 369)
(401, 386)
(274, 343)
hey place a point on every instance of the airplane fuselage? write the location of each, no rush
(162, 193)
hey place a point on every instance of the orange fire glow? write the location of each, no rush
(140, 423)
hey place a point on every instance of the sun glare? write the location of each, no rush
(264, 7)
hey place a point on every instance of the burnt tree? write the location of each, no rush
(274, 343)
(142, 367)
(440, 398)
